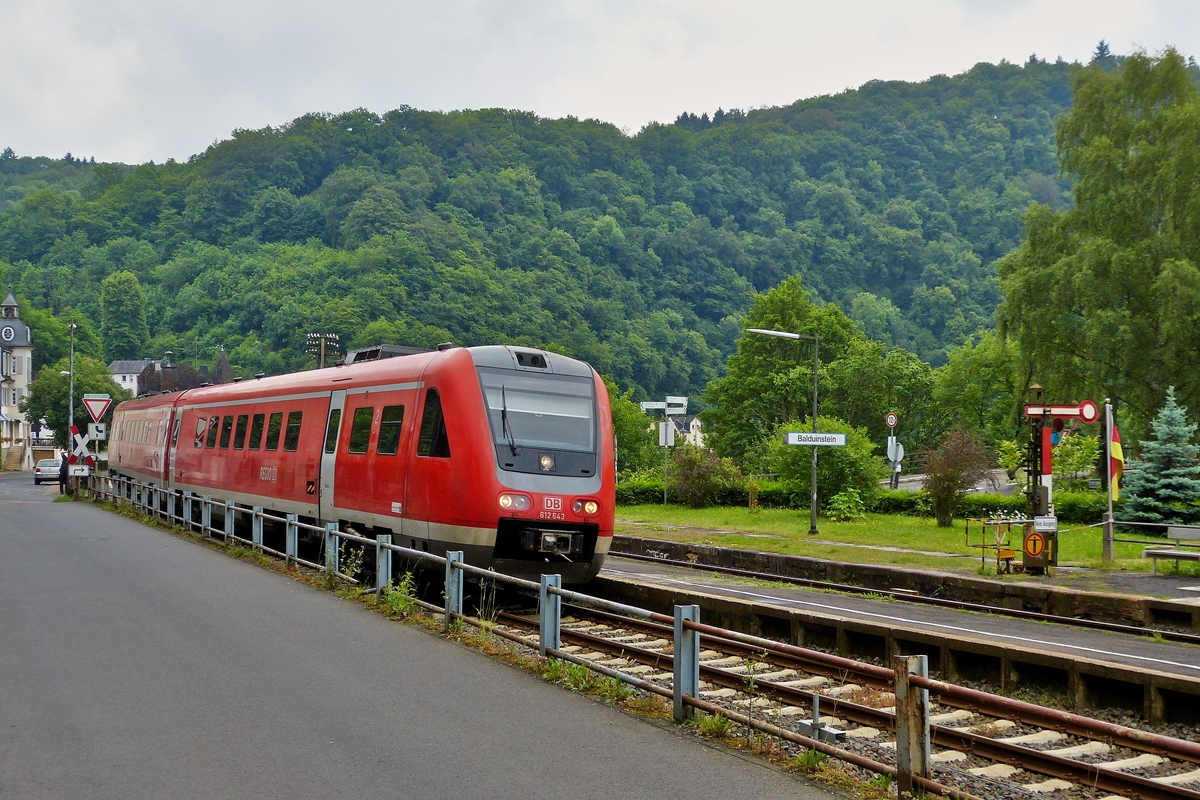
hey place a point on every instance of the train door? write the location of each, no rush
(333, 427)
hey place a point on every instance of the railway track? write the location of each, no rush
(910, 597)
(982, 744)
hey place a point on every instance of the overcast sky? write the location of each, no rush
(132, 81)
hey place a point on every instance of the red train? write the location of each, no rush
(504, 453)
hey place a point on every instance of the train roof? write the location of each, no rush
(368, 373)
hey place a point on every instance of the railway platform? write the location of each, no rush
(141, 664)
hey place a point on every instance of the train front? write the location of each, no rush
(551, 429)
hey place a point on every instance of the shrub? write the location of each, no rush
(847, 505)
(854, 466)
(957, 464)
(698, 477)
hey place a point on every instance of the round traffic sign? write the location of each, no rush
(1035, 544)
(1089, 412)
(892, 420)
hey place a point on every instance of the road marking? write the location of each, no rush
(941, 625)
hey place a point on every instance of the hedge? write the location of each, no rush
(1076, 508)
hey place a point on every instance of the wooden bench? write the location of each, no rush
(1176, 551)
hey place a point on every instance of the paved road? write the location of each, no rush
(1134, 651)
(134, 663)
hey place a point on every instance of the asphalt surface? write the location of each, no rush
(1134, 651)
(135, 663)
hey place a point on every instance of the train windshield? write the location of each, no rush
(554, 412)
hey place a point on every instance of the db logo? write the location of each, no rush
(552, 503)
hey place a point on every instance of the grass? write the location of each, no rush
(914, 541)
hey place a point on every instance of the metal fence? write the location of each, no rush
(195, 512)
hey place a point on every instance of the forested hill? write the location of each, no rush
(635, 253)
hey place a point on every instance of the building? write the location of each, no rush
(16, 362)
(125, 373)
(691, 429)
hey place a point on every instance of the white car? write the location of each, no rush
(46, 470)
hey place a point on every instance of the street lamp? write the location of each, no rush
(812, 507)
(71, 393)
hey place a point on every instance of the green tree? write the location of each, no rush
(855, 466)
(769, 380)
(1104, 298)
(1164, 484)
(982, 387)
(47, 399)
(1074, 458)
(52, 335)
(637, 441)
(123, 316)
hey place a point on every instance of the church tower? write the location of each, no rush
(16, 364)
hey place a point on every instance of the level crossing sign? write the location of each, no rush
(80, 451)
(96, 405)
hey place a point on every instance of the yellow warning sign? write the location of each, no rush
(1035, 544)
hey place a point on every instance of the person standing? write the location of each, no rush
(62, 475)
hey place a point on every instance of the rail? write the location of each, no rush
(909, 679)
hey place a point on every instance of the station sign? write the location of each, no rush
(815, 439)
(1047, 524)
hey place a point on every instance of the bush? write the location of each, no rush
(854, 466)
(957, 464)
(698, 477)
(847, 505)
(639, 489)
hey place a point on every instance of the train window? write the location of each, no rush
(214, 424)
(273, 429)
(256, 429)
(239, 434)
(433, 440)
(389, 430)
(291, 439)
(360, 430)
(201, 427)
(226, 432)
(331, 432)
(175, 432)
(162, 429)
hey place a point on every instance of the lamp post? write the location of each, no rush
(71, 393)
(816, 340)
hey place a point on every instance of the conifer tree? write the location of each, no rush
(1164, 486)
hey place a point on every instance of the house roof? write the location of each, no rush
(129, 367)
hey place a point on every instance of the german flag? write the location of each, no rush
(1116, 463)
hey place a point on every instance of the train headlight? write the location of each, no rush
(546, 460)
(587, 507)
(514, 502)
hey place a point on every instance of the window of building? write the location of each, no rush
(291, 439)
(360, 430)
(214, 424)
(433, 440)
(331, 432)
(226, 432)
(256, 431)
(274, 426)
(239, 435)
(389, 430)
